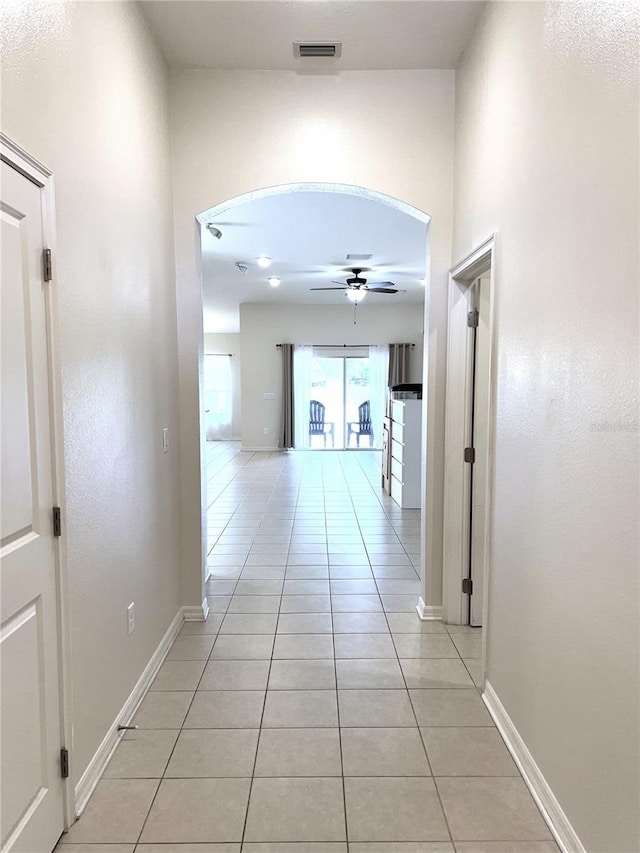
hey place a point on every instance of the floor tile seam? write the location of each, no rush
(339, 727)
(196, 689)
(260, 728)
(157, 791)
(424, 748)
(217, 472)
(335, 669)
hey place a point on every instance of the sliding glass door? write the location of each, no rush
(357, 404)
(341, 402)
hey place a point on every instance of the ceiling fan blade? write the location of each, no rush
(333, 281)
(329, 288)
(382, 284)
(380, 290)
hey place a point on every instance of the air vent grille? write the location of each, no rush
(359, 257)
(304, 50)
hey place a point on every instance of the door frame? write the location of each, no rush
(15, 156)
(458, 406)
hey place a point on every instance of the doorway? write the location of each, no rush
(468, 446)
(256, 254)
(479, 292)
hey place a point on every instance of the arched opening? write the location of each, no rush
(224, 217)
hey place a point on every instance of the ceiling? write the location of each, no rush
(259, 34)
(308, 236)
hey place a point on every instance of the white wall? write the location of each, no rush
(234, 132)
(84, 91)
(264, 326)
(547, 156)
(229, 342)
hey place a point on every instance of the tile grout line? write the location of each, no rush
(264, 704)
(163, 777)
(335, 672)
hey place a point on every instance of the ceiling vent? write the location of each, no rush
(359, 257)
(325, 49)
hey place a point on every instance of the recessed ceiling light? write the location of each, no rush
(423, 281)
(274, 281)
(263, 262)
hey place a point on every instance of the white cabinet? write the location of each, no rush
(406, 453)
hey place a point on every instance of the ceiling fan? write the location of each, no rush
(356, 287)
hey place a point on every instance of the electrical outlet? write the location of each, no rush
(165, 440)
(131, 618)
(266, 430)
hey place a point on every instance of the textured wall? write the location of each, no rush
(84, 91)
(547, 156)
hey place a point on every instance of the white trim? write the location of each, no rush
(98, 763)
(274, 449)
(324, 187)
(475, 262)
(456, 532)
(15, 156)
(23, 161)
(541, 792)
(196, 613)
(427, 612)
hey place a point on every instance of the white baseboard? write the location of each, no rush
(98, 763)
(546, 801)
(260, 449)
(196, 613)
(429, 613)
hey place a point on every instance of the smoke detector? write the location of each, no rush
(326, 49)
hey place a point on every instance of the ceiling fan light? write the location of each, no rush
(356, 295)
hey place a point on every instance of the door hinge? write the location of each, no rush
(473, 318)
(470, 455)
(64, 763)
(47, 266)
(57, 521)
(467, 586)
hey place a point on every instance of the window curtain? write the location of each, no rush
(217, 397)
(286, 427)
(302, 358)
(378, 377)
(399, 367)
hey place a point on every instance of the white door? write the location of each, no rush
(480, 441)
(31, 788)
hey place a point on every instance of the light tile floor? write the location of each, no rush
(313, 712)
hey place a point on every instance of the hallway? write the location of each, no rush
(313, 712)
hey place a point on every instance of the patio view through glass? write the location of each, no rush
(340, 384)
